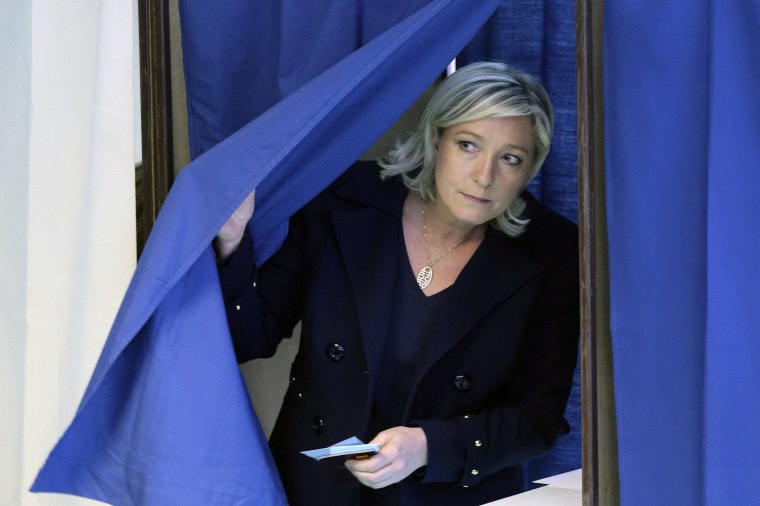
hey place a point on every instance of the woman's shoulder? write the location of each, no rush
(549, 240)
(546, 225)
(361, 186)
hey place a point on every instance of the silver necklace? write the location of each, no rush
(425, 276)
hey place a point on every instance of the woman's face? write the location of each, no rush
(481, 167)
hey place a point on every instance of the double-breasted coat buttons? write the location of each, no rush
(462, 382)
(335, 352)
(318, 425)
(298, 394)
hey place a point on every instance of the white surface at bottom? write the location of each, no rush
(572, 480)
(562, 490)
(544, 496)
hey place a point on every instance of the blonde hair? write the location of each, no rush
(476, 91)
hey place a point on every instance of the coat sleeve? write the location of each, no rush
(263, 305)
(526, 415)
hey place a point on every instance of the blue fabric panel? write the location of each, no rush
(656, 116)
(242, 59)
(145, 435)
(681, 139)
(558, 179)
(227, 54)
(732, 379)
(539, 36)
(138, 436)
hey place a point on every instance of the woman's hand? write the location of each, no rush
(229, 237)
(403, 450)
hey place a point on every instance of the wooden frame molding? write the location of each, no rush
(600, 472)
(154, 176)
(585, 101)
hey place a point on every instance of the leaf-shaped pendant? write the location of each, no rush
(424, 277)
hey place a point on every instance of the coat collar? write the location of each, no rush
(362, 185)
(369, 239)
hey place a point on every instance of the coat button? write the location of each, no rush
(336, 352)
(318, 425)
(462, 382)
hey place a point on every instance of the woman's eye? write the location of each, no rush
(467, 146)
(512, 159)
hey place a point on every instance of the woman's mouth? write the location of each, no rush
(477, 200)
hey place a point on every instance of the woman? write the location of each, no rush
(439, 307)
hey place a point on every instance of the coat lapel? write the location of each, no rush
(369, 240)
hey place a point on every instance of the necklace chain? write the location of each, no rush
(425, 276)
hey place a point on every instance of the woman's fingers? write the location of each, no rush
(402, 451)
(229, 236)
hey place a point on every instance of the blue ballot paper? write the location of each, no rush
(166, 417)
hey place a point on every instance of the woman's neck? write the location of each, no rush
(441, 229)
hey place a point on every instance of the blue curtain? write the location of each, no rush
(242, 59)
(166, 418)
(682, 137)
(539, 36)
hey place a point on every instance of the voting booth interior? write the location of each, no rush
(291, 45)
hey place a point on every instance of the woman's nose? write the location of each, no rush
(484, 172)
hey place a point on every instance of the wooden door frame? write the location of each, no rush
(155, 174)
(600, 481)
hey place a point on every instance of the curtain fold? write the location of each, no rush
(68, 206)
(681, 134)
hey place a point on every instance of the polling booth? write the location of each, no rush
(656, 126)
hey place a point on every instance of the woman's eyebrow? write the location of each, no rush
(468, 132)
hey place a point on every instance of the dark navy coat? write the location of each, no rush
(490, 388)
